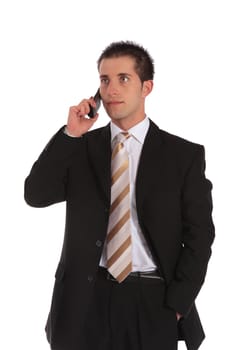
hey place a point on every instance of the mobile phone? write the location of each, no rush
(97, 99)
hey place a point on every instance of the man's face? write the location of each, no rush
(123, 94)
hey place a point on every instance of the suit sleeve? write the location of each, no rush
(198, 235)
(46, 183)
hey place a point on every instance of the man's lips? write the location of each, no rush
(114, 102)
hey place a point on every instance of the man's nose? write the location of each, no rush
(112, 89)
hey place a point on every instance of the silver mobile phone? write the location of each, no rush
(97, 99)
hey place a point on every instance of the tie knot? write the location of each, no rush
(122, 136)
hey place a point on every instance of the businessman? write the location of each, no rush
(138, 231)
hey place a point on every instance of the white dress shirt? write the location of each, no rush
(141, 255)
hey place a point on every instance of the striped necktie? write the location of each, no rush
(119, 246)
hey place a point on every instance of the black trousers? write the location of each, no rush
(130, 316)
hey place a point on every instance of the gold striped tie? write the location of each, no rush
(119, 247)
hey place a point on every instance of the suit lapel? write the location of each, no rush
(148, 168)
(99, 153)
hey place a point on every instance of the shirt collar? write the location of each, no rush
(138, 131)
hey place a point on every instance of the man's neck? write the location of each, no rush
(125, 124)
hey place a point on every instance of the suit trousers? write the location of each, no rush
(130, 316)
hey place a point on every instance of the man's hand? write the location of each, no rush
(78, 124)
(178, 316)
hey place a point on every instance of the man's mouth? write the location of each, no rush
(114, 103)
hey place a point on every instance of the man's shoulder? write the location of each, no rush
(173, 139)
(175, 145)
(179, 148)
(177, 140)
(98, 131)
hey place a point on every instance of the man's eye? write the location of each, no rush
(104, 81)
(124, 78)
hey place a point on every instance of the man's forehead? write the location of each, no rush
(117, 65)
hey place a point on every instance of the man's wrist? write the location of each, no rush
(66, 131)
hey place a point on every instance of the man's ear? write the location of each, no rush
(147, 87)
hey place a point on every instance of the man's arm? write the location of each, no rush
(46, 183)
(198, 236)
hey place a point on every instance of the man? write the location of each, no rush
(138, 223)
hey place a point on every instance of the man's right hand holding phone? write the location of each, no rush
(78, 123)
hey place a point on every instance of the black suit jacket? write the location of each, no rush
(174, 209)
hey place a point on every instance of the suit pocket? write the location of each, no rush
(50, 327)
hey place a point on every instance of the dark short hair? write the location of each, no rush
(144, 64)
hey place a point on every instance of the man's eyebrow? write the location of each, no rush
(119, 75)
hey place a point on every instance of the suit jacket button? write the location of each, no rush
(90, 278)
(98, 243)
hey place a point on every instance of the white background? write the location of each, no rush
(48, 62)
